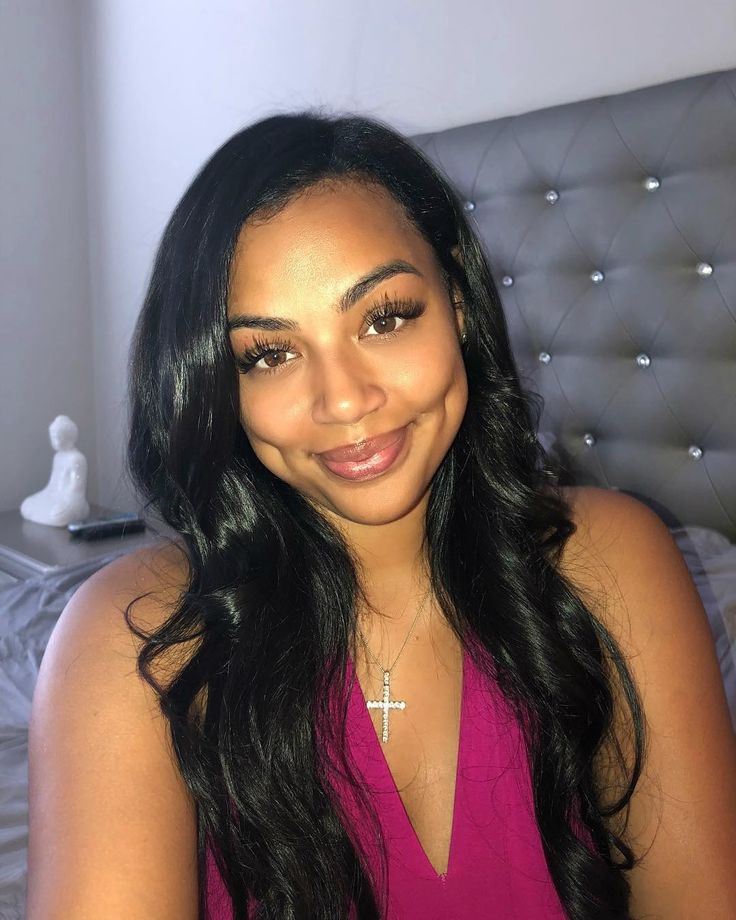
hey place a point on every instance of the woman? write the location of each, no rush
(402, 671)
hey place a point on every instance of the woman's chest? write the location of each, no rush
(453, 800)
(417, 743)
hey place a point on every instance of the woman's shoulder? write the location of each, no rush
(625, 563)
(616, 538)
(103, 775)
(154, 576)
(159, 570)
(596, 506)
(135, 592)
(626, 566)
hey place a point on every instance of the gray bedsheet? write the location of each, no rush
(29, 610)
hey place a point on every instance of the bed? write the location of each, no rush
(610, 226)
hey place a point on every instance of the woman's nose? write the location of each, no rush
(345, 389)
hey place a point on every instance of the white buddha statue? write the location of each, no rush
(63, 498)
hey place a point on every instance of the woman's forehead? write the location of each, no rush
(330, 212)
(327, 235)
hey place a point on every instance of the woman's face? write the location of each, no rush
(327, 371)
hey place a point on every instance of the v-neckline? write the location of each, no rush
(391, 782)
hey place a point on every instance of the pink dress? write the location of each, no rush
(496, 865)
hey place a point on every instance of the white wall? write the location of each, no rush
(166, 82)
(45, 316)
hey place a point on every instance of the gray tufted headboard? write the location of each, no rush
(610, 227)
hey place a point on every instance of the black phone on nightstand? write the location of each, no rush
(110, 526)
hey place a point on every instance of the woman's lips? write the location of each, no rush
(363, 449)
(378, 460)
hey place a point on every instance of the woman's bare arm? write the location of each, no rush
(683, 814)
(112, 827)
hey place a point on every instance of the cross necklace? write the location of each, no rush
(386, 702)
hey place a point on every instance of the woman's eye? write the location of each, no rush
(272, 360)
(267, 358)
(263, 352)
(387, 324)
(387, 314)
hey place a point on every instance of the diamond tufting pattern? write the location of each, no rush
(610, 229)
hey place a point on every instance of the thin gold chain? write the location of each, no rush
(411, 628)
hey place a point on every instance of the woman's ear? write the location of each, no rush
(460, 321)
(456, 297)
(458, 304)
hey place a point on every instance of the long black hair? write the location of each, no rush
(270, 601)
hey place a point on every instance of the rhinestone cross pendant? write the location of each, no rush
(385, 704)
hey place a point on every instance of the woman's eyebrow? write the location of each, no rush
(350, 297)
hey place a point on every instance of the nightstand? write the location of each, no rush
(28, 549)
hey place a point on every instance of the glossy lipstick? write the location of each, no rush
(368, 459)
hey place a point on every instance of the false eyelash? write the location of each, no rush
(403, 307)
(246, 359)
